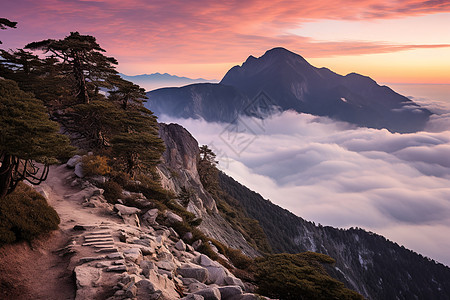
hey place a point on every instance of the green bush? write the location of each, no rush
(299, 276)
(25, 215)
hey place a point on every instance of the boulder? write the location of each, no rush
(192, 271)
(172, 217)
(146, 266)
(165, 265)
(86, 276)
(196, 286)
(79, 170)
(231, 280)
(126, 210)
(133, 254)
(150, 217)
(146, 290)
(180, 245)
(211, 293)
(188, 236)
(73, 161)
(228, 292)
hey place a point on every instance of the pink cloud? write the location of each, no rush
(203, 31)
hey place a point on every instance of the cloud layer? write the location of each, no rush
(336, 174)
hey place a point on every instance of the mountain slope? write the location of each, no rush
(368, 263)
(285, 80)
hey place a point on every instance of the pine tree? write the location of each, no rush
(126, 92)
(27, 137)
(138, 147)
(207, 169)
(82, 59)
(6, 23)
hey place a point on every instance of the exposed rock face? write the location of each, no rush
(179, 169)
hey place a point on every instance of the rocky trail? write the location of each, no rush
(103, 251)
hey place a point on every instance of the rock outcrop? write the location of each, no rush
(179, 170)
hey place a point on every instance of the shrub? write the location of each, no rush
(112, 191)
(299, 276)
(25, 215)
(95, 165)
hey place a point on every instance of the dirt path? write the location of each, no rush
(38, 272)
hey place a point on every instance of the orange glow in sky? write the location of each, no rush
(390, 41)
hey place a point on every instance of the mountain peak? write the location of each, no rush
(283, 52)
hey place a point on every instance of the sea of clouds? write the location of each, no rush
(334, 173)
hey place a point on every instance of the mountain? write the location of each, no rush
(158, 80)
(281, 80)
(367, 262)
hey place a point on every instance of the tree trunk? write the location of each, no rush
(6, 170)
(82, 93)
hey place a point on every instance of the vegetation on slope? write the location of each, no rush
(25, 215)
(228, 206)
(377, 267)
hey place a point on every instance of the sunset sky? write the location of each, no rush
(390, 41)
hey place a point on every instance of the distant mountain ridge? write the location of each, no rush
(158, 80)
(288, 82)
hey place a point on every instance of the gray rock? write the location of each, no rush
(165, 265)
(146, 266)
(150, 217)
(188, 236)
(230, 280)
(228, 292)
(196, 272)
(79, 170)
(193, 297)
(115, 256)
(146, 290)
(173, 233)
(172, 217)
(211, 293)
(196, 286)
(91, 258)
(133, 254)
(180, 245)
(73, 161)
(86, 276)
(126, 210)
(120, 268)
(188, 281)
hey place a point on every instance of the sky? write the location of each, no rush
(391, 41)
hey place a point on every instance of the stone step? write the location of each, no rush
(100, 232)
(106, 239)
(111, 243)
(107, 250)
(121, 268)
(102, 246)
(97, 236)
